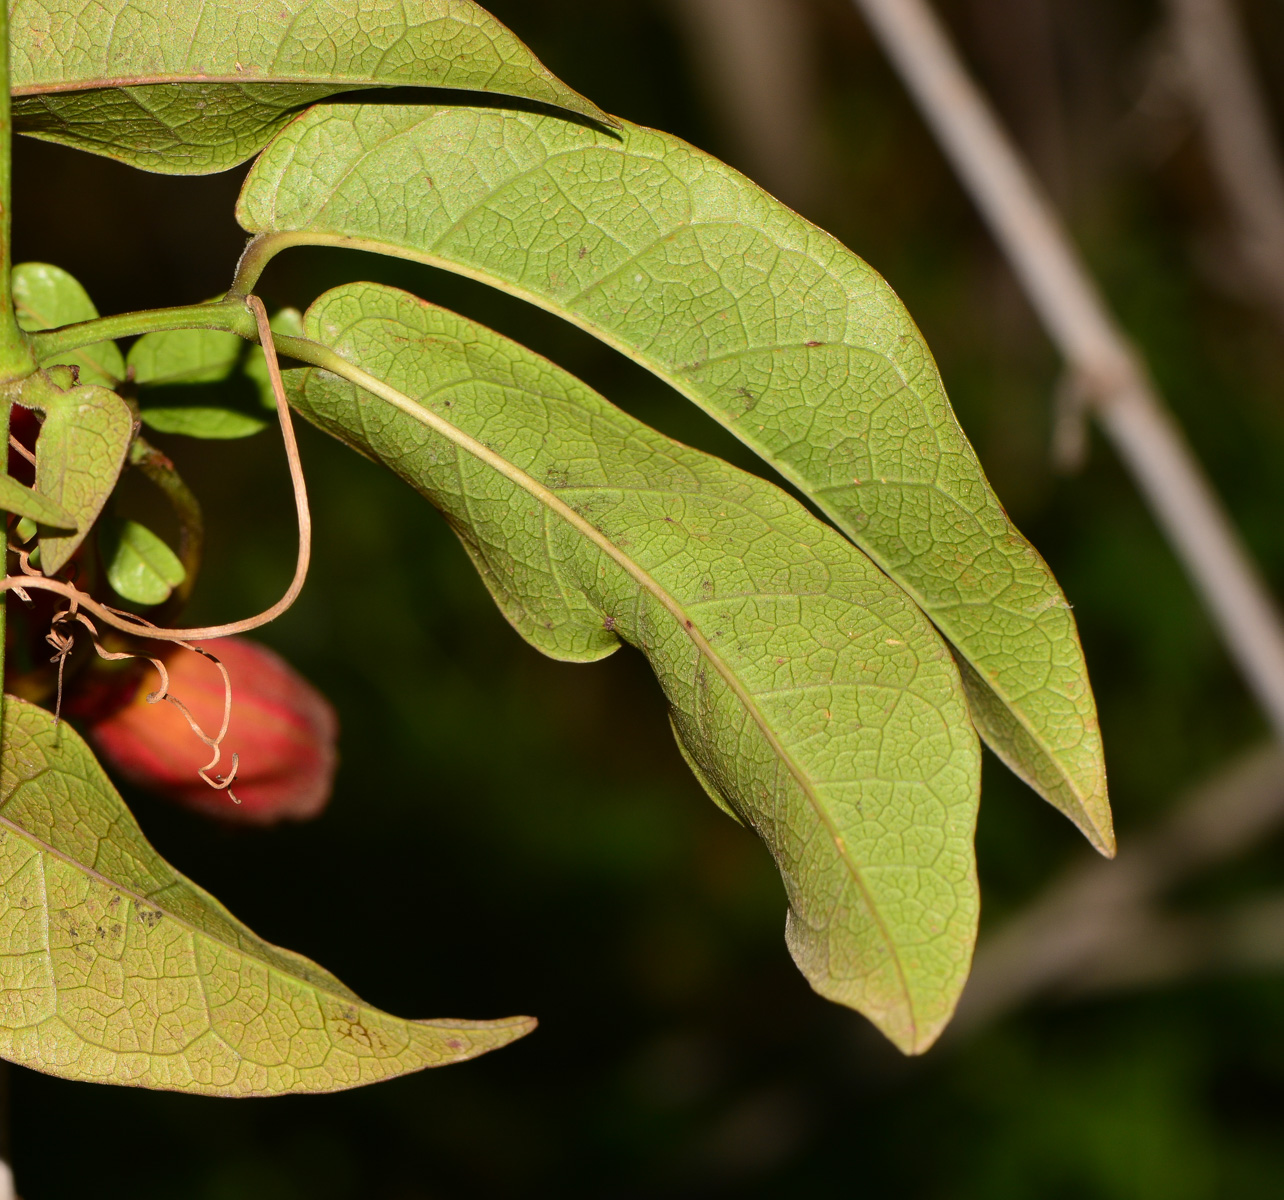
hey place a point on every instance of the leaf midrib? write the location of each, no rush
(367, 382)
(286, 239)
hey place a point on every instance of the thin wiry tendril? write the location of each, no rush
(63, 644)
(127, 622)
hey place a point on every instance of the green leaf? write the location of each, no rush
(216, 424)
(770, 325)
(140, 567)
(86, 73)
(45, 297)
(23, 502)
(184, 356)
(79, 455)
(815, 700)
(114, 968)
(196, 358)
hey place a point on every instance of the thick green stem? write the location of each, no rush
(229, 315)
(16, 358)
(260, 251)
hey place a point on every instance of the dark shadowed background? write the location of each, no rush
(513, 835)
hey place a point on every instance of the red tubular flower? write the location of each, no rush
(282, 730)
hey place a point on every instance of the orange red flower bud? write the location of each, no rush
(282, 730)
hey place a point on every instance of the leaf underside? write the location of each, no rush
(79, 456)
(116, 969)
(814, 699)
(769, 324)
(100, 74)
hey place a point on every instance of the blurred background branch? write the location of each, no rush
(1099, 925)
(757, 62)
(1221, 82)
(1110, 374)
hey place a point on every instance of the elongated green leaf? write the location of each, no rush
(86, 72)
(140, 567)
(45, 297)
(815, 700)
(114, 968)
(199, 421)
(15, 498)
(766, 322)
(79, 455)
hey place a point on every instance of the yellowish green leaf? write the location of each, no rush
(114, 968)
(813, 698)
(770, 325)
(140, 567)
(79, 455)
(189, 88)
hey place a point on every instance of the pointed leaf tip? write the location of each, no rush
(812, 698)
(92, 909)
(769, 324)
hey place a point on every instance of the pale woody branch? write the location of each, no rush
(1222, 85)
(1076, 317)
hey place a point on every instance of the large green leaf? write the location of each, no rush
(814, 699)
(79, 455)
(187, 87)
(115, 968)
(45, 297)
(769, 324)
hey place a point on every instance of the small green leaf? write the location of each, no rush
(215, 424)
(114, 968)
(772, 326)
(79, 455)
(206, 356)
(46, 297)
(815, 700)
(32, 506)
(184, 356)
(140, 567)
(190, 88)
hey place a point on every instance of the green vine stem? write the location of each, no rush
(230, 315)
